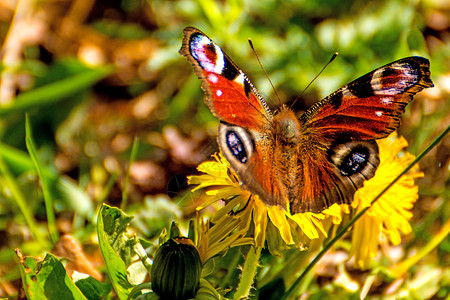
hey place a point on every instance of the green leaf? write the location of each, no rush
(111, 225)
(28, 274)
(92, 288)
(47, 279)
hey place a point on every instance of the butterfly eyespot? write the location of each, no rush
(355, 157)
(405, 76)
(235, 143)
(236, 146)
(354, 162)
(207, 54)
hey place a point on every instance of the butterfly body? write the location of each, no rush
(323, 157)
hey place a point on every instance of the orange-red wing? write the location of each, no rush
(231, 97)
(370, 107)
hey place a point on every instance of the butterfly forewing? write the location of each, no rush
(229, 92)
(370, 107)
(244, 132)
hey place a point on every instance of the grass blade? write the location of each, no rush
(134, 150)
(48, 198)
(20, 201)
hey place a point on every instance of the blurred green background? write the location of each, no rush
(94, 75)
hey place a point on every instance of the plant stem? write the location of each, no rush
(248, 273)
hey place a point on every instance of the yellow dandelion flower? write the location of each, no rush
(390, 215)
(220, 183)
(214, 240)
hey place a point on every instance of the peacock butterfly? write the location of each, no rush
(307, 163)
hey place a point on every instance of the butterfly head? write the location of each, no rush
(286, 127)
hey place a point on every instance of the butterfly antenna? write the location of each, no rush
(323, 69)
(264, 70)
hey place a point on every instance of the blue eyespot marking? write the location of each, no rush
(354, 162)
(236, 146)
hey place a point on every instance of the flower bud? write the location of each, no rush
(176, 269)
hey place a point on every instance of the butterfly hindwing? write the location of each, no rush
(254, 162)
